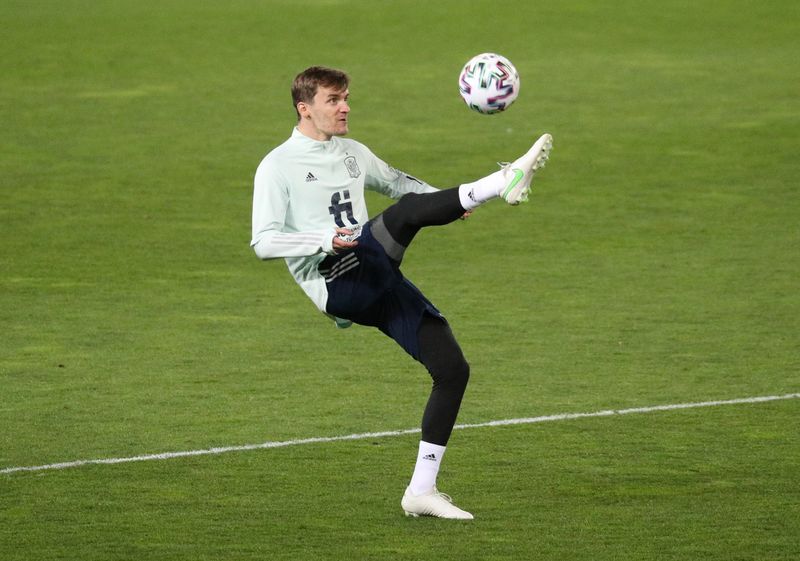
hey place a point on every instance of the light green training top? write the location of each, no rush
(304, 189)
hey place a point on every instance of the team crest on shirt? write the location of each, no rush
(352, 166)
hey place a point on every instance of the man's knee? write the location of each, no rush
(405, 209)
(441, 354)
(456, 374)
(447, 366)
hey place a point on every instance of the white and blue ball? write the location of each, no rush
(489, 83)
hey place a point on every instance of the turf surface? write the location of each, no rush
(656, 263)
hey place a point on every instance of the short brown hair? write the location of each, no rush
(306, 84)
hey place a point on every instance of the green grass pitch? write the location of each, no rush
(656, 263)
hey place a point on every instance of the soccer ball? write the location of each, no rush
(489, 83)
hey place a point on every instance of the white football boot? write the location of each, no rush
(432, 503)
(520, 172)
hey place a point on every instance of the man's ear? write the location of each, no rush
(303, 110)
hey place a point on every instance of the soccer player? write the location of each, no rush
(309, 208)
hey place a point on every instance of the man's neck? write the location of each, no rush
(312, 132)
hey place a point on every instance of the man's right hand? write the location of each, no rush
(339, 244)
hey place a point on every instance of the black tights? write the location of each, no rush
(439, 351)
(415, 211)
(442, 356)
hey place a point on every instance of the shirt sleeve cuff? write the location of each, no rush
(327, 242)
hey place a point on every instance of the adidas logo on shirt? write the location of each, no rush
(431, 457)
(310, 177)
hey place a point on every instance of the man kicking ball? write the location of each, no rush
(309, 208)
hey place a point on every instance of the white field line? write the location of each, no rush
(384, 434)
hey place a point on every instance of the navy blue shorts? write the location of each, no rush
(366, 286)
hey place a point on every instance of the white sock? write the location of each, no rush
(429, 458)
(478, 192)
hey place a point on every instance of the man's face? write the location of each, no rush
(326, 115)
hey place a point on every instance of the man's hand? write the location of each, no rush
(339, 244)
